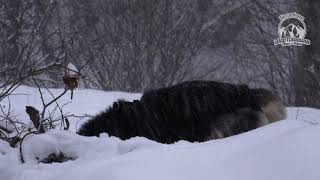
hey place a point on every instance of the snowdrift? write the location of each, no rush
(286, 150)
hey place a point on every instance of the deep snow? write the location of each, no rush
(286, 150)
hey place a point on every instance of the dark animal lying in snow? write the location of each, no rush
(192, 111)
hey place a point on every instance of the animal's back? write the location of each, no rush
(189, 108)
(201, 96)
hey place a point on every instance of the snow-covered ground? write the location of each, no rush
(286, 150)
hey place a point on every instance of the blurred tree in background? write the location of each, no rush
(134, 45)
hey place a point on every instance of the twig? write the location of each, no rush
(20, 148)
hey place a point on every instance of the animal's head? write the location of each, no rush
(270, 104)
(120, 104)
(125, 108)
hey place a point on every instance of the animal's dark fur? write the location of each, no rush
(192, 111)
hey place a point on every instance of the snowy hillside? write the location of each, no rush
(286, 150)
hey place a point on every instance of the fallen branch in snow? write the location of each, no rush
(20, 147)
(12, 141)
(56, 158)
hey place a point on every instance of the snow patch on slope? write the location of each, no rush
(288, 149)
